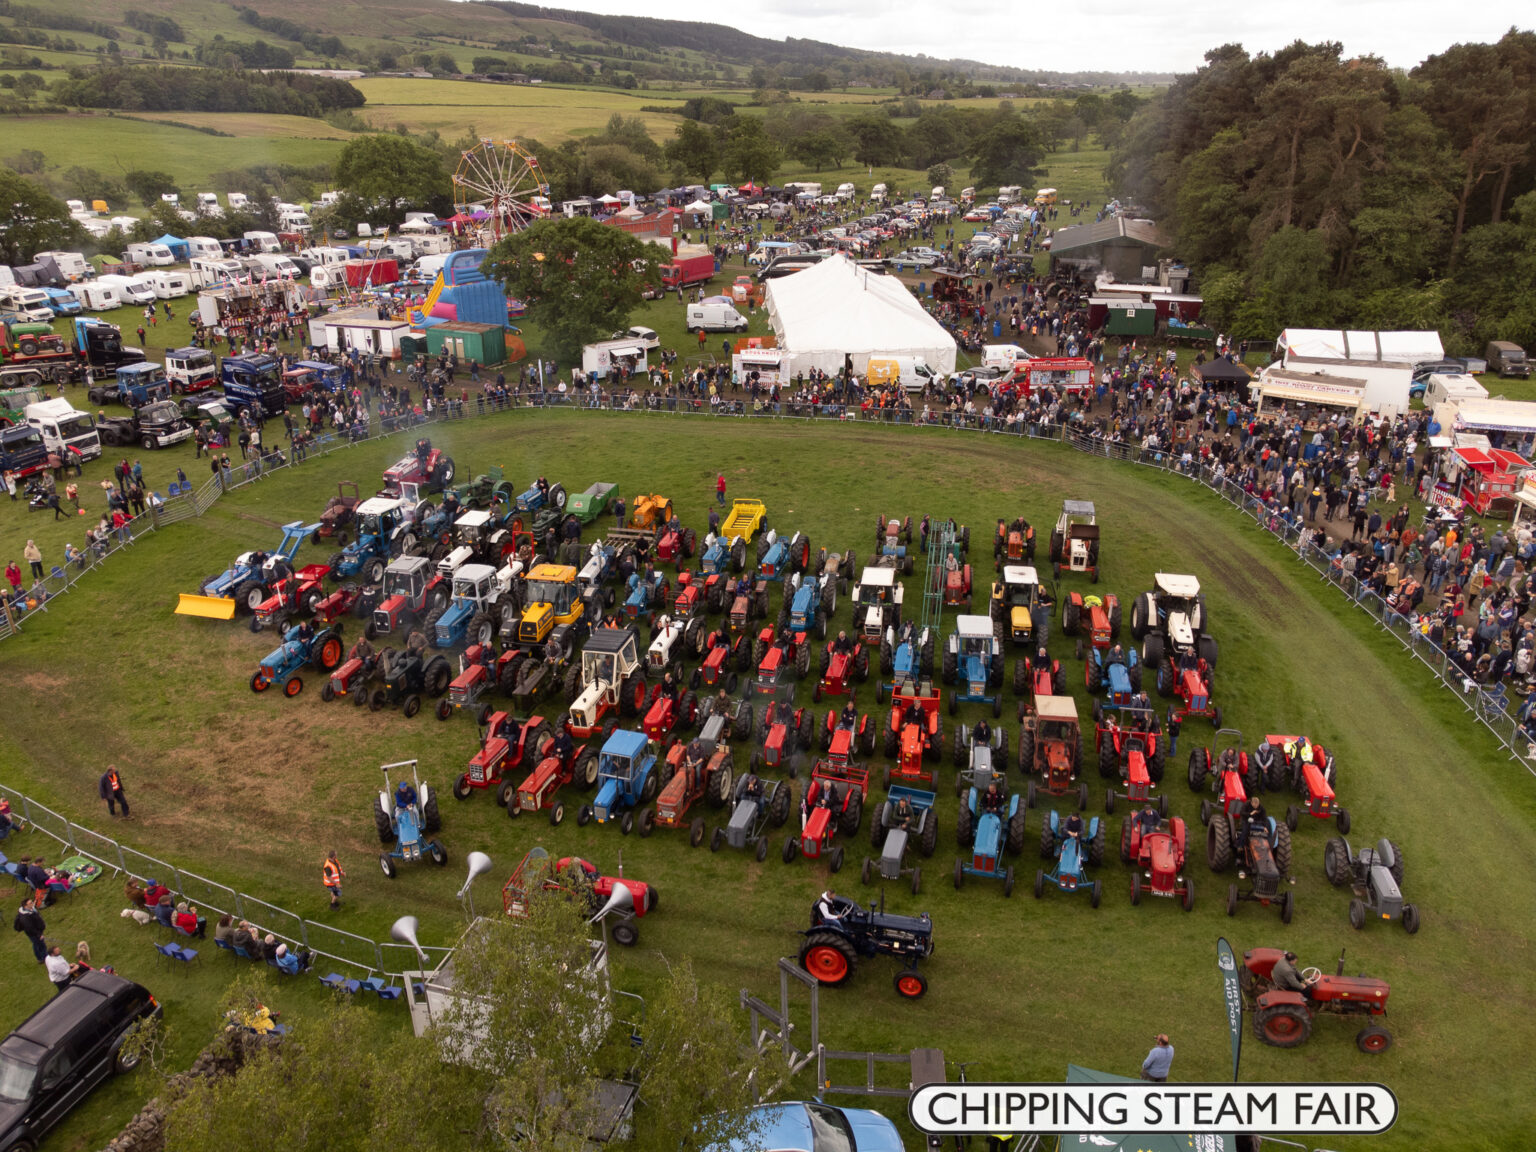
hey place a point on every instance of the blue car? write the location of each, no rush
(809, 1126)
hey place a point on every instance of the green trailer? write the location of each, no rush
(588, 506)
(483, 343)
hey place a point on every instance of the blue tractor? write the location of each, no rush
(905, 656)
(249, 580)
(908, 815)
(1115, 670)
(627, 780)
(722, 557)
(648, 594)
(302, 645)
(405, 820)
(782, 558)
(973, 660)
(384, 533)
(1071, 854)
(809, 602)
(991, 820)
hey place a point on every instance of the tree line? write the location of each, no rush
(1311, 189)
(147, 89)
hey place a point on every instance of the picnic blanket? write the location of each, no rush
(81, 871)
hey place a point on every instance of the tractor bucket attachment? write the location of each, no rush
(294, 534)
(213, 607)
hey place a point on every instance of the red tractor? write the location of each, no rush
(675, 543)
(1156, 848)
(1192, 681)
(786, 732)
(1037, 676)
(688, 603)
(297, 592)
(1051, 751)
(1099, 615)
(1284, 1018)
(669, 715)
(340, 511)
(842, 736)
(1131, 750)
(477, 676)
(429, 468)
(914, 733)
(1014, 543)
(746, 603)
(506, 744)
(347, 600)
(1234, 775)
(556, 768)
(352, 675)
(698, 770)
(841, 660)
(1307, 768)
(724, 657)
(780, 657)
(833, 803)
(615, 898)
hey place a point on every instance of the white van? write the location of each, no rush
(1445, 387)
(713, 316)
(168, 285)
(1002, 356)
(237, 199)
(276, 264)
(71, 264)
(845, 192)
(264, 241)
(155, 254)
(208, 271)
(98, 297)
(204, 246)
(129, 290)
(426, 268)
(937, 193)
(329, 197)
(62, 427)
(878, 193)
(146, 280)
(423, 217)
(910, 372)
(76, 207)
(294, 220)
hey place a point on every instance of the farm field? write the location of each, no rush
(251, 791)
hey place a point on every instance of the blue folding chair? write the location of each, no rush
(185, 955)
(390, 992)
(223, 945)
(336, 982)
(166, 951)
(371, 984)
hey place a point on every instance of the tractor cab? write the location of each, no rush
(1075, 543)
(975, 647)
(377, 518)
(472, 528)
(624, 769)
(1015, 599)
(1179, 602)
(609, 664)
(549, 598)
(407, 578)
(877, 600)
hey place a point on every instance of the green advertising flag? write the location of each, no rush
(1227, 962)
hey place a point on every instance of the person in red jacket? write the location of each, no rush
(720, 488)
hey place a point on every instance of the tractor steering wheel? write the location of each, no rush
(1308, 975)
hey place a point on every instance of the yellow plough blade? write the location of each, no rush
(213, 607)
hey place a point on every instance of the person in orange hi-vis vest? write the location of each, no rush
(332, 874)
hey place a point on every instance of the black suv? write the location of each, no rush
(63, 1050)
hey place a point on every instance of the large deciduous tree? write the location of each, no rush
(580, 279)
(1008, 152)
(393, 172)
(31, 220)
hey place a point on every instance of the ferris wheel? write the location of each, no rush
(500, 184)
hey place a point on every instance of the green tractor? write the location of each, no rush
(490, 489)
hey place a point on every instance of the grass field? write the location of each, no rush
(253, 790)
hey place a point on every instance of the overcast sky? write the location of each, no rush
(1112, 35)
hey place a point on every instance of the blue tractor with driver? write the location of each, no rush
(627, 780)
(405, 819)
(1073, 845)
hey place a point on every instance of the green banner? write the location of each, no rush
(1233, 992)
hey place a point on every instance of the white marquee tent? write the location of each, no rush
(836, 308)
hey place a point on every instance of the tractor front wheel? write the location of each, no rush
(438, 853)
(461, 788)
(259, 683)
(387, 865)
(1373, 1040)
(626, 934)
(444, 709)
(1411, 919)
(411, 706)
(293, 687)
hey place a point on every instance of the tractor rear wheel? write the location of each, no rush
(432, 819)
(1015, 842)
(1336, 862)
(1283, 850)
(1096, 846)
(1096, 894)
(1047, 842)
(1125, 840)
(828, 957)
(929, 841)
(853, 814)
(892, 740)
(1218, 843)
(1026, 751)
(585, 771)
(965, 831)
(1199, 768)
(437, 853)
(1109, 761)
(381, 823)
(962, 753)
(1283, 1026)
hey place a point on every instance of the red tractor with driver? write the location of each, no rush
(560, 763)
(843, 659)
(1303, 766)
(1132, 751)
(507, 744)
(1284, 1018)
(1155, 847)
(833, 803)
(914, 732)
(1051, 751)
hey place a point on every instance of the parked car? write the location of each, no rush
(60, 1053)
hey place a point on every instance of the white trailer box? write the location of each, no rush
(206, 272)
(63, 427)
(98, 297)
(157, 255)
(204, 246)
(318, 256)
(770, 364)
(72, 264)
(1442, 387)
(168, 285)
(601, 358)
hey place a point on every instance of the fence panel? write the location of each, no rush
(142, 867)
(270, 918)
(47, 821)
(344, 947)
(92, 844)
(209, 895)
